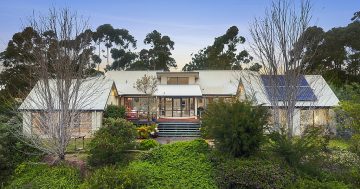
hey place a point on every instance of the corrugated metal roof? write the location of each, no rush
(93, 95)
(218, 82)
(255, 89)
(178, 90)
(125, 80)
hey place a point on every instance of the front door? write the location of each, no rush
(177, 106)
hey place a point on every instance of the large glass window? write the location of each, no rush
(177, 107)
(177, 80)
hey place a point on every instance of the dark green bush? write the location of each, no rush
(113, 111)
(237, 129)
(147, 144)
(315, 184)
(177, 165)
(13, 150)
(252, 173)
(295, 150)
(110, 142)
(355, 144)
(36, 175)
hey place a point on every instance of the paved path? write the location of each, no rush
(167, 140)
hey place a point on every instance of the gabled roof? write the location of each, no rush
(125, 80)
(218, 82)
(93, 95)
(255, 89)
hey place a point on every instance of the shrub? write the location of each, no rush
(252, 173)
(355, 144)
(315, 184)
(144, 132)
(177, 165)
(110, 142)
(148, 144)
(294, 150)
(13, 151)
(31, 175)
(113, 111)
(237, 128)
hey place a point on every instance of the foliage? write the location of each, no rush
(355, 144)
(177, 165)
(113, 111)
(158, 57)
(252, 173)
(295, 150)
(110, 142)
(117, 42)
(144, 131)
(222, 54)
(315, 184)
(36, 175)
(334, 54)
(147, 144)
(237, 129)
(12, 151)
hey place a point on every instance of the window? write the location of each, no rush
(177, 80)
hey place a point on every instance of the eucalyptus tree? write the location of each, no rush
(116, 42)
(222, 54)
(159, 55)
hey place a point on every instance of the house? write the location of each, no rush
(181, 97)
(93, 97)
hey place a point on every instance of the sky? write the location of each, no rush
(191, 24)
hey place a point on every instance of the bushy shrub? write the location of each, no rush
(36, 175)
(113, 111)
(177, 165)
(295, 150)
(252, 173)
(144, 131)
(315, 184)
(110, 142)
(355, 144)
(237, 129)
(13, 150)
(147, 144)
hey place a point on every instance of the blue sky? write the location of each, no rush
(191, 24)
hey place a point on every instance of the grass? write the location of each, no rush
(339, 144)
(79, 145)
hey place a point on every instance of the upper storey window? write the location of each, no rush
(177, 80)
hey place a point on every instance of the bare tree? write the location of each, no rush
(148, 86)
(52, 110)
(278, 43)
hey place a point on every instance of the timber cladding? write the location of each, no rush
(42, 121)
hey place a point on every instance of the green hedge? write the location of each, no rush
(37, 175)
(315, 184)
(113, 111)
(252, 173)
(177, 165)
(147, 144)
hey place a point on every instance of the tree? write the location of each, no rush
(278, 45)
(334, 54)
(61, 56)
(356, 16)
(148, 86)
(120, 38)
(158, 57)
(222, 54)
(238, 129)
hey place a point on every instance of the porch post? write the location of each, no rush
(195, 106)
